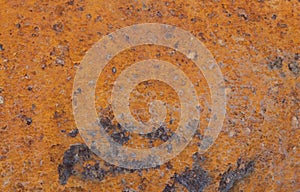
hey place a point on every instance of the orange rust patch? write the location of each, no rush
(43, 42)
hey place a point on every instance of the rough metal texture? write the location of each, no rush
(255, 43)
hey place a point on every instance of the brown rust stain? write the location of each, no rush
(256, 45)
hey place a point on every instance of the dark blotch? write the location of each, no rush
(73, 133)
(158, 14)
(78, 91)
(114, 70)
(169, 188)
(121, 137)
(93, 172)
(98, 19)
(70, 2)
(296, 57)
(80, 9)
(59, 61)
(106, 123)
(294, 67)
(194, 180)
(161, 133)
(58, 27)
(115, 170)
(117, 132)
(76, 153)
(88, 16)
(1, 47)
(277, 64)
(282, 25)
(243, 15)
(169, 165)
(230, 177)
(28, 120)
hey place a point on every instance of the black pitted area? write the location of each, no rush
(194, 179)
(75, 154)
(117, 132)
(120, 135)
(230, 177)
(78, 154)
(162, 133)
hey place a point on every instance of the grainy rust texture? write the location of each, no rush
(255, 43)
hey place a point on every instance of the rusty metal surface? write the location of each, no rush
(255, 44)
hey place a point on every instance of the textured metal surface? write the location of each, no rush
(255, 44)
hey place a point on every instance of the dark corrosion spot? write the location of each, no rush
(121, 137)
(28, 120)
(169, 165)
(73, 133)
(162, 133)
(198, 158)
(1, 47)
(88, 16)
(158, 13)
(106, 123)
(94, 172)
(194, 180)
(115, 170)
(243, 15)
(230, 177)
(282, 25)
(114, 70)
(98, 19)
(60, 61)
(58, 27)
(169, 188)
(276, 64)
(77, 91)
(76, 153)
(294, 68)
(80, 9)
(20, 187)
(80, 161)
(117, 132)
(70, 2)
(296, 57)
(43, 66)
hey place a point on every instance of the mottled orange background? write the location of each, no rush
(255, 43)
